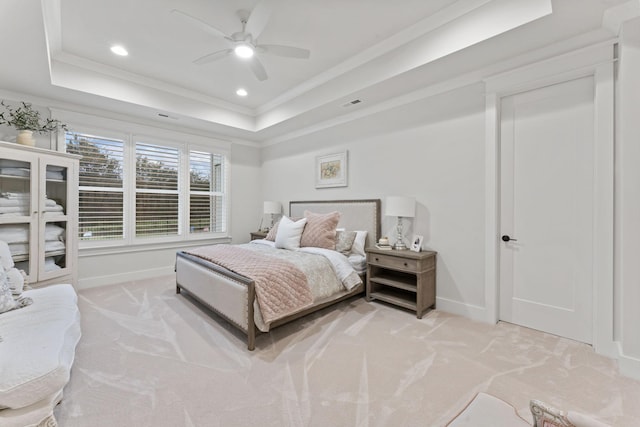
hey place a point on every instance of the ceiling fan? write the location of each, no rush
(245, 43)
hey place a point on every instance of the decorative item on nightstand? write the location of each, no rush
(401, 207)
(271, 208)
(257, 235)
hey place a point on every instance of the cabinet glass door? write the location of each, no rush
(18, 200)
(54, 202)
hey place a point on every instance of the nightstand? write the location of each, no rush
(258, 235)
(403, 278)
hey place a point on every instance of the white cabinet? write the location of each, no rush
(39, 212)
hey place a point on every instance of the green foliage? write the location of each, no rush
(97, 168)
(24, 117)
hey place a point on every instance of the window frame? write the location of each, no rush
(143, 139)
(224, 193)
(148, 135)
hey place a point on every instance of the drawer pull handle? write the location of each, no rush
(377, 259)
(406, 265)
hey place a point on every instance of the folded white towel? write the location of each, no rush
(22, 201)
(55, 175)
(19, 210)
(53, 245)
(13, 195)
(14, 202)
(50, 264)
(15, 171)
(16, 233)
(52, 232)
(18, 248)
(54, 208)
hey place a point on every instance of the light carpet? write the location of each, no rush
(149, 357)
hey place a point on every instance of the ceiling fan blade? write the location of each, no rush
(287, 51)
(258, 18)
(200, 23)
(212, 56)
(258, 69)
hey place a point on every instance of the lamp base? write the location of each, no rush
(399, 245)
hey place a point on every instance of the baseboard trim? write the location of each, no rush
(97, 281)
(473, 312)
(628, 366)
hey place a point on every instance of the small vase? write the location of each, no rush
(25, 137)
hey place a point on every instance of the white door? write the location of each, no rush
(547, 204)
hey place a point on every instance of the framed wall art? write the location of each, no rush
(416, 243)
(331, 170)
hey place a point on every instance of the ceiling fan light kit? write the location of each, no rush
(243, 50)
(119, 50)
(245, 41)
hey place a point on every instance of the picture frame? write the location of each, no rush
(332, 170)
(416, 243)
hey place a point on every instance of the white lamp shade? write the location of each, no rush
(271, 207)
(400, 206)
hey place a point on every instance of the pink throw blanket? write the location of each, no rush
(281, 288)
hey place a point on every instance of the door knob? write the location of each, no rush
(506, 238)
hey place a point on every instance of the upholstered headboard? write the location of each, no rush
(354, 214)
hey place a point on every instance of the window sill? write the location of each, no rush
(145, 247)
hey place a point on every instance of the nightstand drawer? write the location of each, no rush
(392, 262)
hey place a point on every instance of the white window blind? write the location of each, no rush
(157, 195)
(101, 192)
(207, 204)
(138, 191)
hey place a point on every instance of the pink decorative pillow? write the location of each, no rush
(320, 231)
(271, 235)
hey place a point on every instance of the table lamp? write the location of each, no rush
(401, 207)
(271, 208)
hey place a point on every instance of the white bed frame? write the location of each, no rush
(232, 296)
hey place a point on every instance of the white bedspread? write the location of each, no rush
(340, 263)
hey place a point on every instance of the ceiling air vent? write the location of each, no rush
(354, 102)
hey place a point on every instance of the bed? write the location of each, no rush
(236, 298)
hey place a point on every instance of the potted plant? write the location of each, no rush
(27, 120)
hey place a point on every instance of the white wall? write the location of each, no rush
(439, 162)
(627, 289)
(246, 194)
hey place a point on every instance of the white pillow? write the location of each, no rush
(289, 233)
(6, 298)
(358, 244)
(15, 280)
(6, 261)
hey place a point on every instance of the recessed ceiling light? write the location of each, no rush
(119, 50)
(242, 92)
(244, 51)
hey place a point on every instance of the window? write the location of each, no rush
(157, 204)
(206, 197)
(136, 191)
(101, 197)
